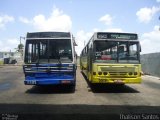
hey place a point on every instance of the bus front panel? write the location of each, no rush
(49, 74)
(116, 73)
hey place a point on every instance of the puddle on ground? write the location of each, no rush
(5, 86)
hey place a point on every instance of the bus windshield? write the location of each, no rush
(116, 51)
(48, 51)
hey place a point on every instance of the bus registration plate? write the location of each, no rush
(31, 82)
(118, 81)
(102, 80)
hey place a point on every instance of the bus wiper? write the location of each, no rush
(48, 58)
(48, 43)
(37, 63)
(59, 62)
(59, 59)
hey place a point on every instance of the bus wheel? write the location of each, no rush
(120, 85)
(73, 87)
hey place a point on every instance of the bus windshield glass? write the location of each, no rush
(116, 51)
(48, 51)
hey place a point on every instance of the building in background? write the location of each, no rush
(10, 57)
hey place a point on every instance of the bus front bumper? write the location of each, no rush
(136, 80)
(49, 81)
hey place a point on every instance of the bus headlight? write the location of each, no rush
(69, 68)
(94, 73)
(135, 73)
(70, 65)
(130, 73)
(99, 73)
(105, 73)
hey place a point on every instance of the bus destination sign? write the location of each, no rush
(125, 36)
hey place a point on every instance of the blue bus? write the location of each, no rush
(50, 58)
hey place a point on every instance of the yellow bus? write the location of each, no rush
(111, 57)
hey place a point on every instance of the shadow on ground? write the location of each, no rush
(74, 112)
(109, 88)
(51, 89)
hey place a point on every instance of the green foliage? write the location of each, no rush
(20, 47)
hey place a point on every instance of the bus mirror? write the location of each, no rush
(140, 48)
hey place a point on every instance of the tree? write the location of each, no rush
(20, 49)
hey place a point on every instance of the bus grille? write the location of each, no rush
(117, 71)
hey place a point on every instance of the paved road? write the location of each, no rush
(91, 102)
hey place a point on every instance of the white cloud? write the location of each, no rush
(107, 19)
(9, 44)
(150, 42)
(82, 38)
(24, 20)
(57, 21)
(158, 0)
(4, 19)
(146, 14)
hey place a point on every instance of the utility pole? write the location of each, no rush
(159, 24)
(20, 46)
(21, 38)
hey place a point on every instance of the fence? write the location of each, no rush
(151, 64)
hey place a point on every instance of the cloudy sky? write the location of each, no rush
(82, 18)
